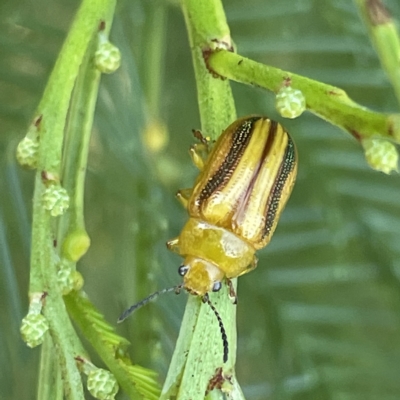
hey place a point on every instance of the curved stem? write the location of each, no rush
(71, 230)
(385, 38)
(53, 109)
(328, 102)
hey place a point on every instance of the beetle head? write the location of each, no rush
(200, 276)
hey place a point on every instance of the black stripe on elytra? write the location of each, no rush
(240, 140)
(285, 169)
(267, 147)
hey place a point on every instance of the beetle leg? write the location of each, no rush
(200, 137)
(232, 291)
(198, 154)
(173, 245)
(183, 196)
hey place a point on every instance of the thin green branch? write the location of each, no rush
(56, 97)
(53, 110)
(198, 351)
(385, 38)
(328, 102)
(135, 380)
(50, 388)
(207, 29)
(71, 230)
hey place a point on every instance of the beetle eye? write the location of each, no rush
(182, 270)
(216, 287)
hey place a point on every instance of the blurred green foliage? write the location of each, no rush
(320, 317)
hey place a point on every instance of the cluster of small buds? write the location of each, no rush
(68, 278)
(27, 152)
(55, 199)
(107, 57)
(28, 148)
(289, 102)
(381, 155)
(101, 383)
(34, 325)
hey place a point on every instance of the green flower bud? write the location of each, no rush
(76, 244)
(55, 199)
(27, 152)
(381, 155)
(107, 57)
(33, 328)
(102, 384)
(289, 102)
(68, 278)
(77, 280)
(64, 278)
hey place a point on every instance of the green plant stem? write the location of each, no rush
(154, 54)
(207, 28)
(328, 102)
(52, 387)
(385, 38)
(71, 229)
(135, 380)
(55, 101)
(53, 108)
(62, 332)
(198, 351)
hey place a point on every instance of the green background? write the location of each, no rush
(320, 317)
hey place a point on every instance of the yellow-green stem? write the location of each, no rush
(329, 102)
(385, 38)
(198, 351)
(53, 108)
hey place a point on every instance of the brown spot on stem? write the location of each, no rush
(390, 130)
(102, 25)
(357, 135)
(287, 81)
(206, 55)
(209, 50)
(377, 12)
(223, 44)
(49, 177)
(217, 380)
(38, 120)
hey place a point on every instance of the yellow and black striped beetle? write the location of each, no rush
(234, 206)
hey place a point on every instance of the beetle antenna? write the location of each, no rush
(225, 345)
(140, 304)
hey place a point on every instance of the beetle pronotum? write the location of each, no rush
(234, 207)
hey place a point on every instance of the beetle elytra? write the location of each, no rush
(234, 206)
